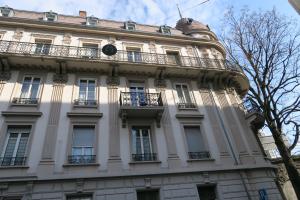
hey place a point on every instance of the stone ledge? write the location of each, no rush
(190, 116)
(81, 114)
(82, 165)
(21, 114)
(145, 162)
(199, 160)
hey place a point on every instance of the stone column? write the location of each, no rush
(55, 107)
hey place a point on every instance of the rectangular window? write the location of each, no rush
(148, 195)
(14, 151)
(207, 192)
(173, 57)
(134, 55)
(87, 92)
(130, 26)
(142, 149)
(185, 100)
(83, 145)
(42, 47)
(89, 50)
(195, 143)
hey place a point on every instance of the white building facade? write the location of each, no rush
(160, 119)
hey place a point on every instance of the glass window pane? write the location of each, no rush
(76, 151)
(83, 136)
(186, 94)
(146, 141)
(91, 90)
(180, 94)
(25, 87)
(82, 89)
(35, 87)
(22, 145)
(11, 144)
(194, 139)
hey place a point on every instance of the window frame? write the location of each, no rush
(129, 24)
(90, 50)
(46, 43)
(216, 191)
(16, 146)
(92, 21)
(191, 96)
(50, 15)
(85, 102)
(79, 196)
(166, 30)
(149, 190)
(10, 13)
(134, 54)
(83, 147)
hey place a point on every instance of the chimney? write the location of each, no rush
(82, 13)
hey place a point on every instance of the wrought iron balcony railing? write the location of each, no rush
(186, 105)
(25, 101)
(140, 99)
(82, 159)
(12, 161)
(83, 102)
(91, 53)
(250, 107)
(144, 157)
(199, 155)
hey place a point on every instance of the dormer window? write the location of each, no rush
(91, 21)
(130, 26)
(165, 30)
(50, 16)
(6, 11)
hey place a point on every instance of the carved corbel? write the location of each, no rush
(4, 69)
(113, 78)
(202, 81)
(79, 185)
(61, 73)
(160, 81)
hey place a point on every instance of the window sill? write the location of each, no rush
(193, 109)
(14, 167)
(25, 105)
(81, 165)
(200, 159)
(145, 162)
(85, 106)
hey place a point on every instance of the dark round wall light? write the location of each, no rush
(109, 50)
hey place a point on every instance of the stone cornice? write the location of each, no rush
(21, 114)
(82, 114)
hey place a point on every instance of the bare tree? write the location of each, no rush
(267, 47)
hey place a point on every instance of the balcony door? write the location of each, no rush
(89, 50)
(43, 47)
(137, 94)
(173, 58)
(134, 55)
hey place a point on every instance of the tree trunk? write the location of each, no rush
(293, 173)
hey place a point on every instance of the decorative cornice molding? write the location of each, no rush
(82, 114)
(189, 116)
(21, 114)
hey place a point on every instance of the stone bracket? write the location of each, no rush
(160, 81)
(113, 78)
(61, 73)
(4, 69)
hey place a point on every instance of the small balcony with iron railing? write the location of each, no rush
(12, 161)
(140, 105)
(144, 157)
(88, 103)
(199, 155)
(25, 101)
(81, 159)
(254, 114)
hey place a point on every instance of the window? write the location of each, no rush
(185, 100)
(165, 30)
(29, 91)
(91, 21)
(173, 58)
(6, 11)
(137, 94)
(142, 149)
(83, 145)
(134, 55)
(130, 26)
(89, 50)
(148, 195)
(50, 16)
(87, 92)
(42, 47)
(207, 192)
(80, 197)
(195, 143)
(15, 146)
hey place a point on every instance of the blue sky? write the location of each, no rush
(156, 12)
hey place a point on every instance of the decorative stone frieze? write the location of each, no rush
(18, 34)
(67, 38)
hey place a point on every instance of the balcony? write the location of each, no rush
(144, 157)
(95, 54)
(82, 159)
(140, 105)
(12, 161)
(199, 155)
(186, 105)
(85, 103)
(25, 101)
(254, 114)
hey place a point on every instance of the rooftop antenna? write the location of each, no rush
(180, 15)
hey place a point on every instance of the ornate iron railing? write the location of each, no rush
(91, 53)
(140, 99)
(199, 155)
(25, 101)
(186, 105)
(250, 107)
(144, 157)
(82, 159)
(83, 102)
(12, 161)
